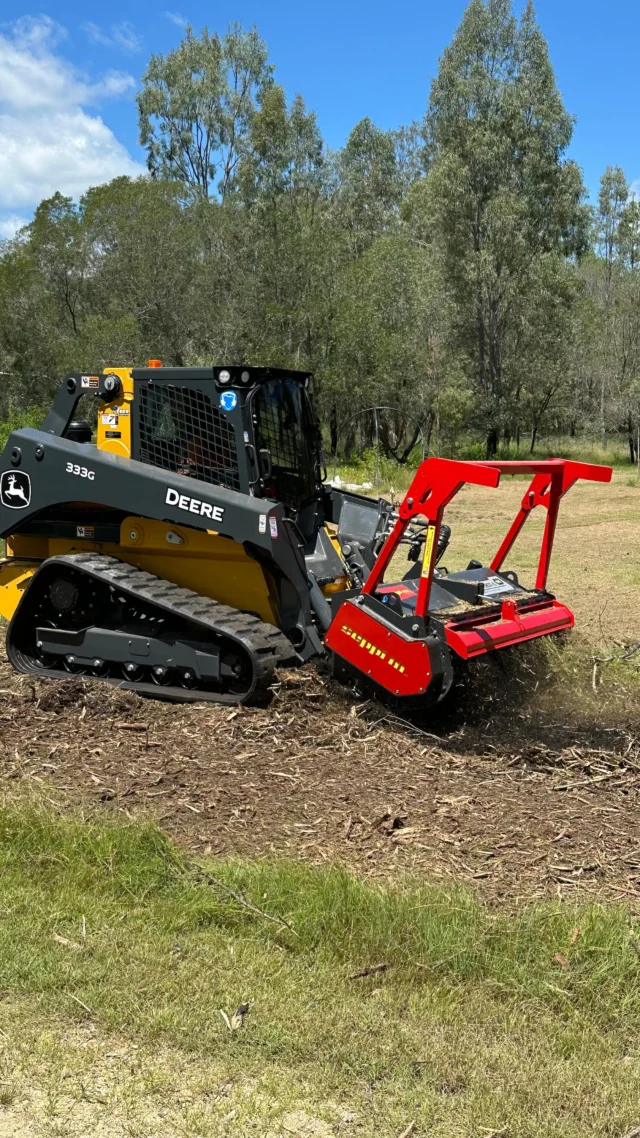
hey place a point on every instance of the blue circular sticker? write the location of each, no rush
(228, 400)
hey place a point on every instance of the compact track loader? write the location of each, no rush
(196, 547)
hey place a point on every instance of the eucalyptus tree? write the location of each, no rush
(499, 196)
(196, 106)
(369, 183)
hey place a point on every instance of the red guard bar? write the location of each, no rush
(550, 483)
(438, 480)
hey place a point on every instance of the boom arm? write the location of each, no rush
(70, 393)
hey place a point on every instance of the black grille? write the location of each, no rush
(181, 430)
(285, 427)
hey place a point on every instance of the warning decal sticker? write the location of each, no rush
(428, 550)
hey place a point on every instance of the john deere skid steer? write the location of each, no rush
(195, 547)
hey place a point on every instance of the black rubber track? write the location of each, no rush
(264, 644)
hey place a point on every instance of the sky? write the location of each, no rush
(69, 73)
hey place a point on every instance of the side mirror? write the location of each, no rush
(265, 464)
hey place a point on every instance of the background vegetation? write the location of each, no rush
(450, 269)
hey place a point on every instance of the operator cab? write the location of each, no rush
(250, 429)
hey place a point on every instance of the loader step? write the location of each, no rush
(92, 615)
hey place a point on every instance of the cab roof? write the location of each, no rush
(237, 373)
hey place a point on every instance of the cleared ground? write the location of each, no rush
(519, 805)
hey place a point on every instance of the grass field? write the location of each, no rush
(118, 958)
(363, 467)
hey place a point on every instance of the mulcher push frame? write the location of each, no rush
(405, 657)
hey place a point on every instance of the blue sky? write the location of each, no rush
(68, 75)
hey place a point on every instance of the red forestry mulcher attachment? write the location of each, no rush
(401, 636)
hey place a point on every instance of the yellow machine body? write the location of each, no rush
(114, 419)
(15, 575)
(204, 562)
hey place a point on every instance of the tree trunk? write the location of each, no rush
(392, 452)
(534, 435)
(404, 457)
(632, 441)
(492, 442)
(333, 428)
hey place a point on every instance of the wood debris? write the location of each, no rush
(517, 805)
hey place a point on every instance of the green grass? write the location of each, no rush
(476, 1022)
(572, 680)
(560, 446)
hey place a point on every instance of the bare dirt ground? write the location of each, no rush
(516, 806)
(515, 801)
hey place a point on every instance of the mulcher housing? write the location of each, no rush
(195, 547)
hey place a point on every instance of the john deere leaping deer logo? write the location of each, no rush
(15, 489)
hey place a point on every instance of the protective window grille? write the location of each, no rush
(285, 428)
(181, 430)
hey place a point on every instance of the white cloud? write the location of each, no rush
(32, 76)
(95, 34)
(10, 224)
(122, 35)
(112, 85)
(48, 141)
(177, 19)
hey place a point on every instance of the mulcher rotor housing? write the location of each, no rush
(195, 547)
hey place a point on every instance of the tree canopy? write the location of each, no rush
(450, 269)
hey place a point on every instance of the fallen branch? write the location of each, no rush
(409, 1131)
(241, 900)
(370, 971)
(589, 781)
(86, 1008)
(621, 889)
(626, 655)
